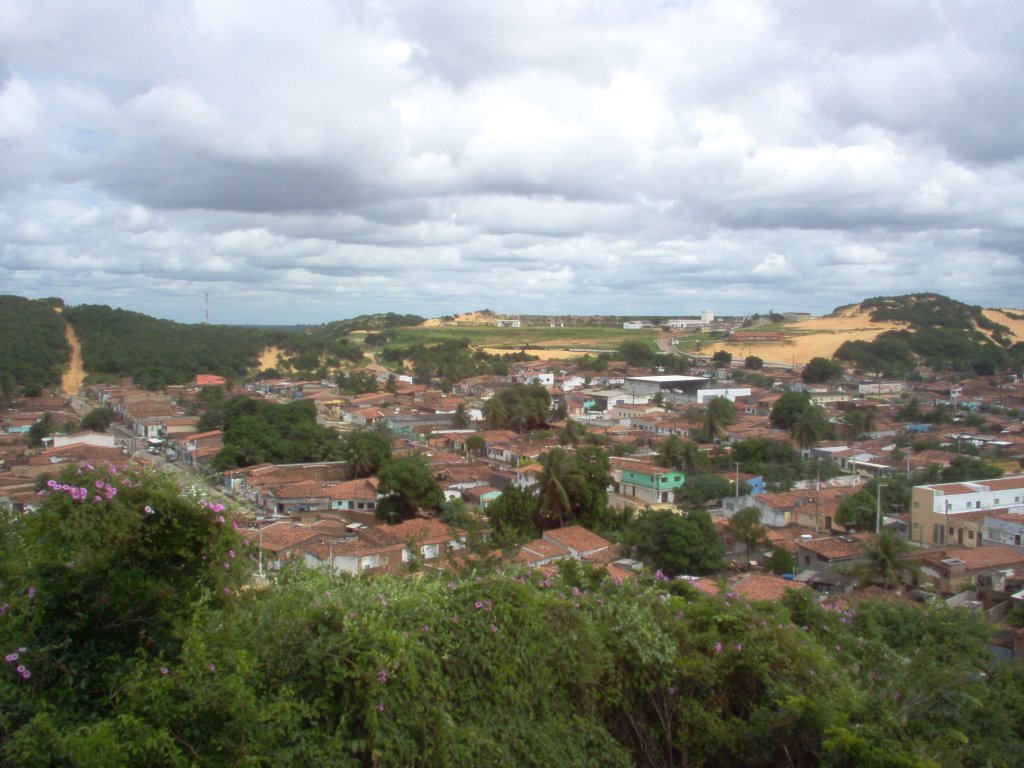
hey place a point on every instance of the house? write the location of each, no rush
(934, 508)
(952, 570)
(645, 481)
(827, 552)
(569, 543)
(762, 586)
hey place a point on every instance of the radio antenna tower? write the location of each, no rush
(206, 318)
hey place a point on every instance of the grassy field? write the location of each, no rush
(513, 339)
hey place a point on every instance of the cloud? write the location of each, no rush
(532, 157)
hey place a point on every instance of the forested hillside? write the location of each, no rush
(128, 639)
(941, 333)
(33, 349)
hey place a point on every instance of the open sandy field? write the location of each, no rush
(999, 316)
(817, 337)
(543, 354)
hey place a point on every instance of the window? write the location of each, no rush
(970, 535)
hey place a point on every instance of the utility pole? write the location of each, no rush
(878, 507)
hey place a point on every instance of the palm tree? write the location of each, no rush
(888, 558)
(810, 427)
(682, 454)
(572, 433)
(460, 419)
(555, 484)
(718, 414)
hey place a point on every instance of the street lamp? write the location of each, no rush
(878, 507)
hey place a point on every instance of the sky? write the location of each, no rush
(308, 161)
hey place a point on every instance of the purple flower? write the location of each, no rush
(212, 667)
(672, 691)
(739, 646)
(164, 671)
(31, 592)
(494, 628)
(25, 675)
(575, 591)
(21, 669)
(231, 554)
(11, 657)
(148, 509)
(227, 565)
(51, 484)
(718, 647)
(380, 707)
(478, 604)
(895, 695)
(382, 676)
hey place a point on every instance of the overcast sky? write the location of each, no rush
(306, 161)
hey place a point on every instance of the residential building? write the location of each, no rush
(934, 508)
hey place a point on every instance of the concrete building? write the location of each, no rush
(937, 511)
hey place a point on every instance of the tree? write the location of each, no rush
(681, 454)
(98, 419)
(821, 370)
(787, 409)
(746, 525)
(964, 468)
(512, 517)
(476, 445)
(572, 433)
(407, 484)
(888, 559)
(461, 419)
(365, 450)
(753, 363)
(44, 427)
(8, 387)
(809, 427)
(637, 353)
(678, 543)
(700, 489)
(781, 562)
(718, 414)
(557, 478)
(857, 511)
(860, 422)
(722, 359)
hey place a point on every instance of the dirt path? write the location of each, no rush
(73, 377)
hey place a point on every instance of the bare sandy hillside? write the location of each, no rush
(466, 318)
(270, 357)
(1015, 324)
(74, 376)
(822, 336)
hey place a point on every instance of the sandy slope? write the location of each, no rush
(71, 381)
(269, 358)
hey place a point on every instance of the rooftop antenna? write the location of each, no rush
(206, 318)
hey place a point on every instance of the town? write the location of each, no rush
(803, 475)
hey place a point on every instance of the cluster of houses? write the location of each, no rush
(968, 533)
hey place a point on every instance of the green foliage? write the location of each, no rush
(781, 562)
(746, 526)
(512, 516)
(700, 489)
(521, 407)
(753, 363)
(407, 484)
(573, 486)
(787, 409)
(857, 511)
(776, 461)
(637, 353)
(365, 450)
(943, 333)
(685, 455)
(260, 431)
(721, 358)
(98, 419)
(44, 427)
(33, 348)
(102, 574)
(964, 468)
(116, 342)
(137, 657)
(356, 382)
(819, 371)
(677, 543)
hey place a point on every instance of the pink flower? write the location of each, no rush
(380, 707)
(11, 657)
(494, 628)
(164, 671)
(21, 669)
(718, 647)
(31, 592)
(212, 667)
(148, 509)
(739, 646)
(25, 675)
(382, 676)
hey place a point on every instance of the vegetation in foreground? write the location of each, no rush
(127, 640)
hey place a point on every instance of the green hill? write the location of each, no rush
(940, 332)
(33, 349)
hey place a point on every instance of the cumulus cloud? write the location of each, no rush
(629, 157)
